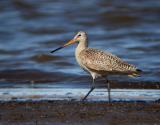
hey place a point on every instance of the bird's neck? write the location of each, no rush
(83, 44)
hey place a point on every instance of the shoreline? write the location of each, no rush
(99, 94)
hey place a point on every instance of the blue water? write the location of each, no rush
(30, 29)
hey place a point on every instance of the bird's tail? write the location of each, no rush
(136, 73)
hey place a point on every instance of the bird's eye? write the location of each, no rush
(79, 35)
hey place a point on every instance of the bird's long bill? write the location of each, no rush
(68, 43)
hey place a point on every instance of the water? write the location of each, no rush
(24, 94)
(30, 29)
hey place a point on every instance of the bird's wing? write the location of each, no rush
(103, 61)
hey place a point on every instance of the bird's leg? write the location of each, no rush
(109, 95)
(92, 88)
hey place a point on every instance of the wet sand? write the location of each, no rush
(79, 113)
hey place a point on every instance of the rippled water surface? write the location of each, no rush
(30, 29)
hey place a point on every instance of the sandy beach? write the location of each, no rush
(79, 113)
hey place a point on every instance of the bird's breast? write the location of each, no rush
(79, 61)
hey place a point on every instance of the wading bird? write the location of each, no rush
(99, 63)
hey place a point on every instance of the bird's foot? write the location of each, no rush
(83, 99)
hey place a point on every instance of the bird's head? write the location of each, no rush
(79, 37)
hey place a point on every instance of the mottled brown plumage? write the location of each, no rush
(105, 62)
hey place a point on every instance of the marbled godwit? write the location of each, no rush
(97, 62)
